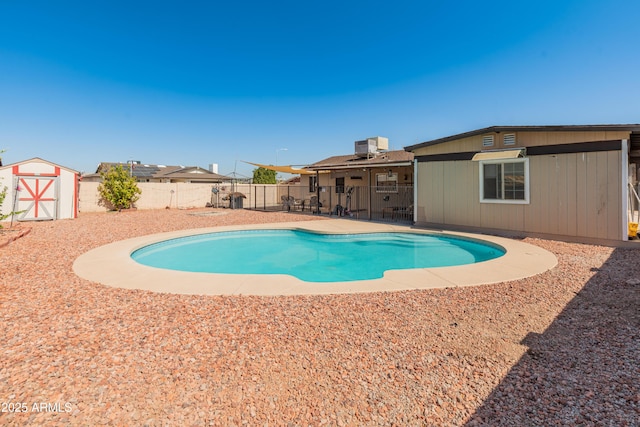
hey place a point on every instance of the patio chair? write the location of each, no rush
(298, 204)
(292, 203)
(404, 213)
(315, 204)
(285, 202)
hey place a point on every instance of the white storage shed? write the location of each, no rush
(40, 190)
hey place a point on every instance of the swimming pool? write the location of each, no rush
(312, 256)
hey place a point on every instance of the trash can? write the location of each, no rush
(235, 200)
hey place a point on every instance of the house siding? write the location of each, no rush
(573, 195)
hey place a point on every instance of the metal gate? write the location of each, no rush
(38, 197)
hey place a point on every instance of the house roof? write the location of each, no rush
(138, 170)
(189, 172)
(386, 158)
(548, 128)
(144, 171)
(293, 180)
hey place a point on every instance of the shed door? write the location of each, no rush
(38, 197)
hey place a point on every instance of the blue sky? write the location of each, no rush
(199, 82)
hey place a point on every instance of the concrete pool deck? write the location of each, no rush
(113, 266)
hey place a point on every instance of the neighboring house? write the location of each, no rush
(294, 180)
(39, 190)
(162, 173)
(379, 182)
(562, 182)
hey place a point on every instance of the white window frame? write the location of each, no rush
(386, 177)
(505, 201)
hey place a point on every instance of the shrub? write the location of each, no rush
(118, 190)
(3, 195)
(264, 176)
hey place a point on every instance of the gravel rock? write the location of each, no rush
(560, 348)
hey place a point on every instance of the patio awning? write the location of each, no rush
(498, 155)
(284, 169)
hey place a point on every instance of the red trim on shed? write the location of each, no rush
(76, 183)
(41, 195)
(36, 196)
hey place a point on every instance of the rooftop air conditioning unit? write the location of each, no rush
(370, 146)
(365, 147)
(381, 142)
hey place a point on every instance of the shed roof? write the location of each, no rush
(547, 128)
(38, 160)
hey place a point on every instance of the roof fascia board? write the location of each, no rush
(39, 159)
(546, 128)
(360, 166)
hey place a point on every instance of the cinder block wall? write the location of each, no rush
(182, 195)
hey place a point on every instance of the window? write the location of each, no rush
(505, 181)
(339, 185)
(487, 141)
(313, 182)
(509, 139)
(386, 182)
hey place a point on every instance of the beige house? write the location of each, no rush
(372, 183)
(563, 182)
(379, 182)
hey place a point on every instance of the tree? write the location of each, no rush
(264, 176)
(118, 189)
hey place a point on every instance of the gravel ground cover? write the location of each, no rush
(561, 348)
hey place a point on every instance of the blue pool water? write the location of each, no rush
(313, 257)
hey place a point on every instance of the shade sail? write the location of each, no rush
(284, 169)
(497, 155)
